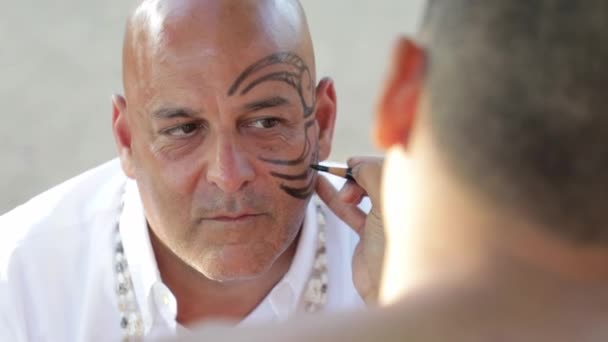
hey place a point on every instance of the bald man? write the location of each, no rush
(495, 184)
(207, 214)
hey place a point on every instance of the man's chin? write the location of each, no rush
(228, 275)
(236, 263)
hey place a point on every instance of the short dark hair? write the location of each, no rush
(518, 94)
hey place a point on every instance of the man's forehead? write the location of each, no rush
(208, 36)
(223, 21)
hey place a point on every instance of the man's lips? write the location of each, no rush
(231, 217)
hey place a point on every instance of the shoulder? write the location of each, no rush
(61, 213)
(50, 245)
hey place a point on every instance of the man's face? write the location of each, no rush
(221, 142)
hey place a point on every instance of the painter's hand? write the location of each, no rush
(368, 257)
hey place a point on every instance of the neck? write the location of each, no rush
(200, 298)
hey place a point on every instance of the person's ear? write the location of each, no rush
(122, 134)
(398, 102)
(326, 116)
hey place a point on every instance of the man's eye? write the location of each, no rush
(265, 123)
(183, 130)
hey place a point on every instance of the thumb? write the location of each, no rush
(367, 172)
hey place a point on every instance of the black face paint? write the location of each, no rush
(298, 76)
(301, 192)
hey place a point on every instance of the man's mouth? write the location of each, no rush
(232, 217)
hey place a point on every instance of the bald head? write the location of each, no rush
(159, 31)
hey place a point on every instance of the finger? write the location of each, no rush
(352, 193)
(351, 162)
(349, 213)
(367, 172)
(325, 189)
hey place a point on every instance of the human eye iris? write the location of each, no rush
(184, 130)
(265, 123)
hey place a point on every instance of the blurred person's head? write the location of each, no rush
(497, 132)
(220, 119)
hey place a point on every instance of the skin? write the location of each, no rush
(219, 155)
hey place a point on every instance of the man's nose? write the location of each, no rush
(229, 167)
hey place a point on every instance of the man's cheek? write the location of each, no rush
(293, 174)
(180, 178)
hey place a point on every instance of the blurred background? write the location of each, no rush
(60, 63)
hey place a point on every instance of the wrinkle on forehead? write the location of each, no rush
(161, 29)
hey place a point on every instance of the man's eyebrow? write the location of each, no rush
(266, 103)
(171, 113)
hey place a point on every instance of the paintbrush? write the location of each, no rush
(336, 171)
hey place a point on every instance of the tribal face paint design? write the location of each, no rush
(288, 68)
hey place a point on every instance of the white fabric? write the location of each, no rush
(57, 270)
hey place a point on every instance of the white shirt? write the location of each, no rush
(57, 276)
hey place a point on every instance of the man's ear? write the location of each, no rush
(326, 116)
(122, 134)
(398, 103)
